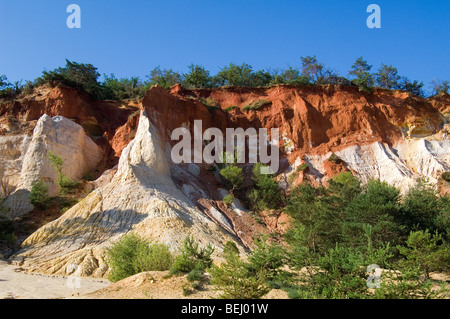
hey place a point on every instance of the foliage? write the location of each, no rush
(440, 87)
(8, 89)
(268, 258)
(387, 77)
(228, 109)
(198, 77)
(210, 103)
(192, 257)
(132, 255)
(122, 89)
(415, 87)
(234, 175)
(266, 193)
(77, 75)
(234, 279)
(376, 206)
(165, 78)
(256, 105)
(65, 183)
(407, 283)
(290, 76)
(335, 159)
(299, 169)
(317, 73)
(39, 195)
(421, 208)
(363, 78)
(228, 199)
(446, 176)
(241, 75)
(424, 251)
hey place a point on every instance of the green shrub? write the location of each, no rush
(132, 255)
(234, 280)
(196, 274)
(423, 251)
(198, 77)
(266, 194)
(229, 109)
(192, 257)
(39, 195)
(210, 104)
(228, 200)
(65, 183)
(299, 169)
(89, 177)
(335, 159)
(256, 105)
(446, 176)
(7, 231)
(269, 258)
(234, 175)
(76, 75)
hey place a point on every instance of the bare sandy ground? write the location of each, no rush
(15, 283)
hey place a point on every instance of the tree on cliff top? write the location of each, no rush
(363, 78)
(77, 75)
(198, 77)
(387, 77)
(165, 78)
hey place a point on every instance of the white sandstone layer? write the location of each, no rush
(141, 198)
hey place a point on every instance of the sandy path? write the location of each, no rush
(20, 285)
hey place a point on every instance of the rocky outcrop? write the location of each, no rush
(389, 135)
(57, 135)
(141, 198)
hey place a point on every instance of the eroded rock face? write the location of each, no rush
(61, 137)
(141, 198)
(376, 135)
(400, 165)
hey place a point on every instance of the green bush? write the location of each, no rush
(76, 75)
(425, 252)
(198, 77)
(446, 176)
(210, 104)
(132, 255)
(7, 231)
(256, 105)
(299, 169)
(192, 257)
(228, 200)
(234, 280)
(269, 258)
(234, 175)
(335, 159)
(229, 109)
(39, 195)
(65, 183)
(266, 194)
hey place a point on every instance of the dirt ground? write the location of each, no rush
(16, 284)
(159, 285)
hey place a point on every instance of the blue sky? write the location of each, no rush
(132, 37)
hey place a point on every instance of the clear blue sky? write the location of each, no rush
(132, 37)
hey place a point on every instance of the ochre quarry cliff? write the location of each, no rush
(390, 135)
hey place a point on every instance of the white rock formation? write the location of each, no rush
(12, 152)
(63, 138)
(400, 165)
(141, 197)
